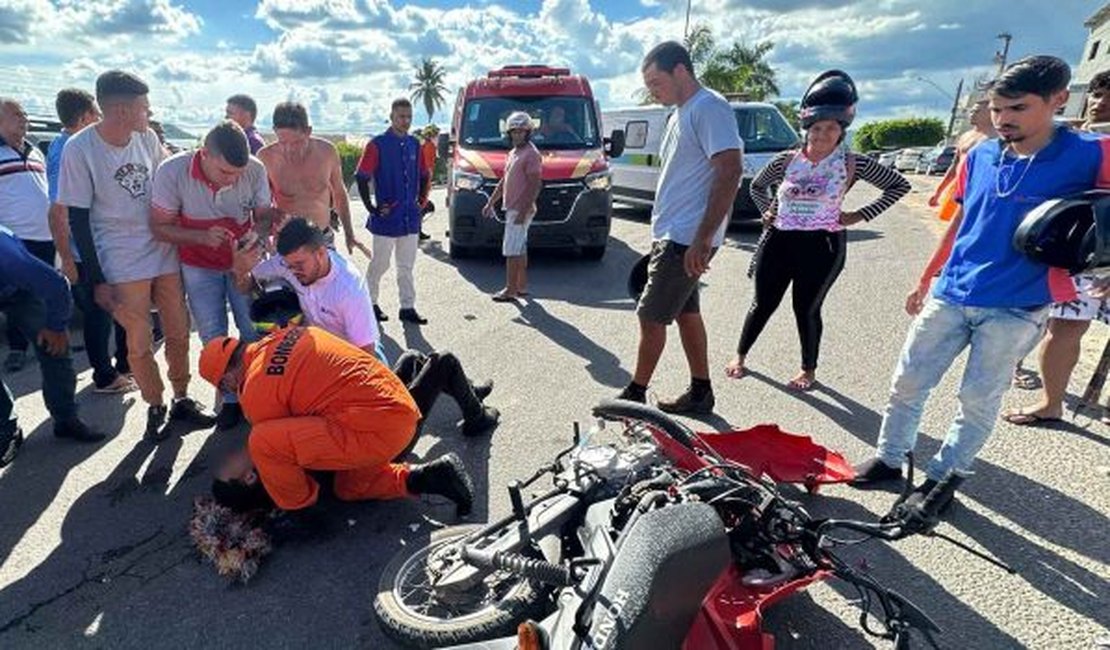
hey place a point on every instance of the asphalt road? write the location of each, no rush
(93, 544)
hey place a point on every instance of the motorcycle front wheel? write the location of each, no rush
(413, 613)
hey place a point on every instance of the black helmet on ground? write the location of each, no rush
(831, 96)
(275, 306)
(1071, 233)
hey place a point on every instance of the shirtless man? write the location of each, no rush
(305, 173)
(981, 129)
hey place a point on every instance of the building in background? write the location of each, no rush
(1094, 59)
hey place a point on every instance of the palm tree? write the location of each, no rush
(742, 69)
(428, 86)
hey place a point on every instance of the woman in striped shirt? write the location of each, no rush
(804, 239)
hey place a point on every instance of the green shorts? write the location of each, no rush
(669, 291)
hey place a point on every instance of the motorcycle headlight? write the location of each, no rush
(599, 181)
(467, 181)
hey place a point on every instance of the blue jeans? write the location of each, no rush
(27, 313)
(209, 293)
(997, 337)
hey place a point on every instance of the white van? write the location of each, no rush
(636, 173)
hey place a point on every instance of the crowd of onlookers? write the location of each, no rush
(144, 236)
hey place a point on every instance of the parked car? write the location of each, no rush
(886, 159)
(41, 131)
(939, 163)
(908, 158)
(924, 161)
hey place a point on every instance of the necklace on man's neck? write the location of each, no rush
(1008, 169)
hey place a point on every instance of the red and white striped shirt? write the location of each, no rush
(24, 201)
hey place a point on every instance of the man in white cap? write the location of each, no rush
(518, 190)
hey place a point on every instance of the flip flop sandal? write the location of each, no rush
(1029, 419)
(503, 297)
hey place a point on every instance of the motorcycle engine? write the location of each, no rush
(618, 465)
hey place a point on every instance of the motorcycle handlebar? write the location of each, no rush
(617, 409)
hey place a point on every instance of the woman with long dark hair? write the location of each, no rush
(800, 194)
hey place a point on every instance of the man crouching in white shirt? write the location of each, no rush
(333, 297)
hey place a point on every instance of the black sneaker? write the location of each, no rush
(156, 429)
(9, 446)
(483, 423)
(874, 471)
(920, 492)
(189, 411)
(482, 390)
(75, 429)
(409, 315)
(685, 403)
(380, 315)
(447, 477)
(633, 394)
(229, 417)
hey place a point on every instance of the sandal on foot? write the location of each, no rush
(1023, 419)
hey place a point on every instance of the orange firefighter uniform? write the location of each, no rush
(316, 402)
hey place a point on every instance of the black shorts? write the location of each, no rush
(669, 291)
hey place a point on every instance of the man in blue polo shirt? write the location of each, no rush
(392, 162)
(34, 297)
(989, 297)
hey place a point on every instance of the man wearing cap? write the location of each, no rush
(204, 202)
(518, 190)
(105, 183)
(391, 161)
(316, 402)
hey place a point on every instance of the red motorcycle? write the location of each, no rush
(669, 539)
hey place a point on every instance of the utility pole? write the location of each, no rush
(686, 30)
(955, 108)
(1000, 57)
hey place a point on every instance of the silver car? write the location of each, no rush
(908, 158)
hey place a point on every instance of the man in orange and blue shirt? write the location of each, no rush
(989, 297)
(392, 162)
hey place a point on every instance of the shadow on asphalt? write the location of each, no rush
(32, 481)
(604, 366)
(964, 627)
(554, 275)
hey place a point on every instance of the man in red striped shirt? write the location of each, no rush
(205, 201)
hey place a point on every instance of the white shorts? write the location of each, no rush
(515, 242)
(1084, 307)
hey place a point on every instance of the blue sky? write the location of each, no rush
(346, 59)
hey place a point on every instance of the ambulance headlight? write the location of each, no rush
(599, 181)
(467, 181)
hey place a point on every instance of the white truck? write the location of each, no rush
(762, 127)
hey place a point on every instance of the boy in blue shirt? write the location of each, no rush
(988, 297)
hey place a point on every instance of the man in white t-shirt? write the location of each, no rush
(24, 204)
(105, 183)
(332, 295)
(701, 168)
